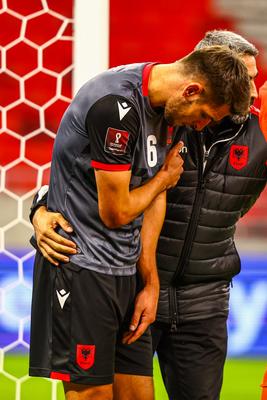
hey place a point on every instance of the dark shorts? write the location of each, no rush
(192, 358)
(77, 321)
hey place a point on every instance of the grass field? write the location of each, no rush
(241, 381)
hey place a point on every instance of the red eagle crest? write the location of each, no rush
(85, 355)
(238, 156)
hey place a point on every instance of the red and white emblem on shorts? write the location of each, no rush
(85, 355)
(116, 141)
(238, 156)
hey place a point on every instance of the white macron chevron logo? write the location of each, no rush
(123, 109)
(62, 296)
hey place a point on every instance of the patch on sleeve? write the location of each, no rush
(116, 141)
(238, 156)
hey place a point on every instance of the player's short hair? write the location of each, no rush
(230, 39)
(224, 74)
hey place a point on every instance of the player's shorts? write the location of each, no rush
(77, 321)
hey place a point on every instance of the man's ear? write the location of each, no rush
(192, 89)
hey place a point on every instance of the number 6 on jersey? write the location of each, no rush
(152, 157)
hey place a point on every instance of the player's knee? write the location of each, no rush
(85, 392)
(133, 387)
(101, 393)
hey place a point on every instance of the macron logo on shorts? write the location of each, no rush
(62, 296)
(116, 141)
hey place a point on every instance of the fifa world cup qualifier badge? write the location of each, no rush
(238, 156)
(116, 141)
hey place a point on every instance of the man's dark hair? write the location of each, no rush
(230, 39)
(224, 74)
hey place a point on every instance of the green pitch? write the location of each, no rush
(241, 381)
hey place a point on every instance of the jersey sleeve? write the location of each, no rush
(113, 125)
(40, 199)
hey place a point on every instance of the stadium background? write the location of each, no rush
(47, 51)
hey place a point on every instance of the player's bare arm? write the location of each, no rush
(147, 299)
(118, 205)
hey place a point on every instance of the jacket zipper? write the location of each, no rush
(196, 206)
(192, 224)
(207, 152)
(188, 241)
(203, 156)
(173, 309)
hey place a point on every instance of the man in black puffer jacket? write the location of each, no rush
(224, 173)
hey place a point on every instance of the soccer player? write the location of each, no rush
(108, 169)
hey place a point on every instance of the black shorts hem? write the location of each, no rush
(83, 380)
(130, 371)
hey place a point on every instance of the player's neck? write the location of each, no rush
(165, 80)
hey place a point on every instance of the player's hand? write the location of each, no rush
(52, 245)
(173, 166)
(144, 313)
(263, 109)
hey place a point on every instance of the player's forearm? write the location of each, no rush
(135, 202)
(142, 197)
(153, 221)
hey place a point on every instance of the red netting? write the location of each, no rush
(18, 52)
(34, 146)
(43, 28)
(11, 31)
(9, 149)
(9, 89)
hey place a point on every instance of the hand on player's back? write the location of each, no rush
(54, 247)
(173, 166)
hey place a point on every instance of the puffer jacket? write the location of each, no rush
(225, 170)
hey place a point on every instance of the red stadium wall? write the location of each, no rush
(159, 30)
